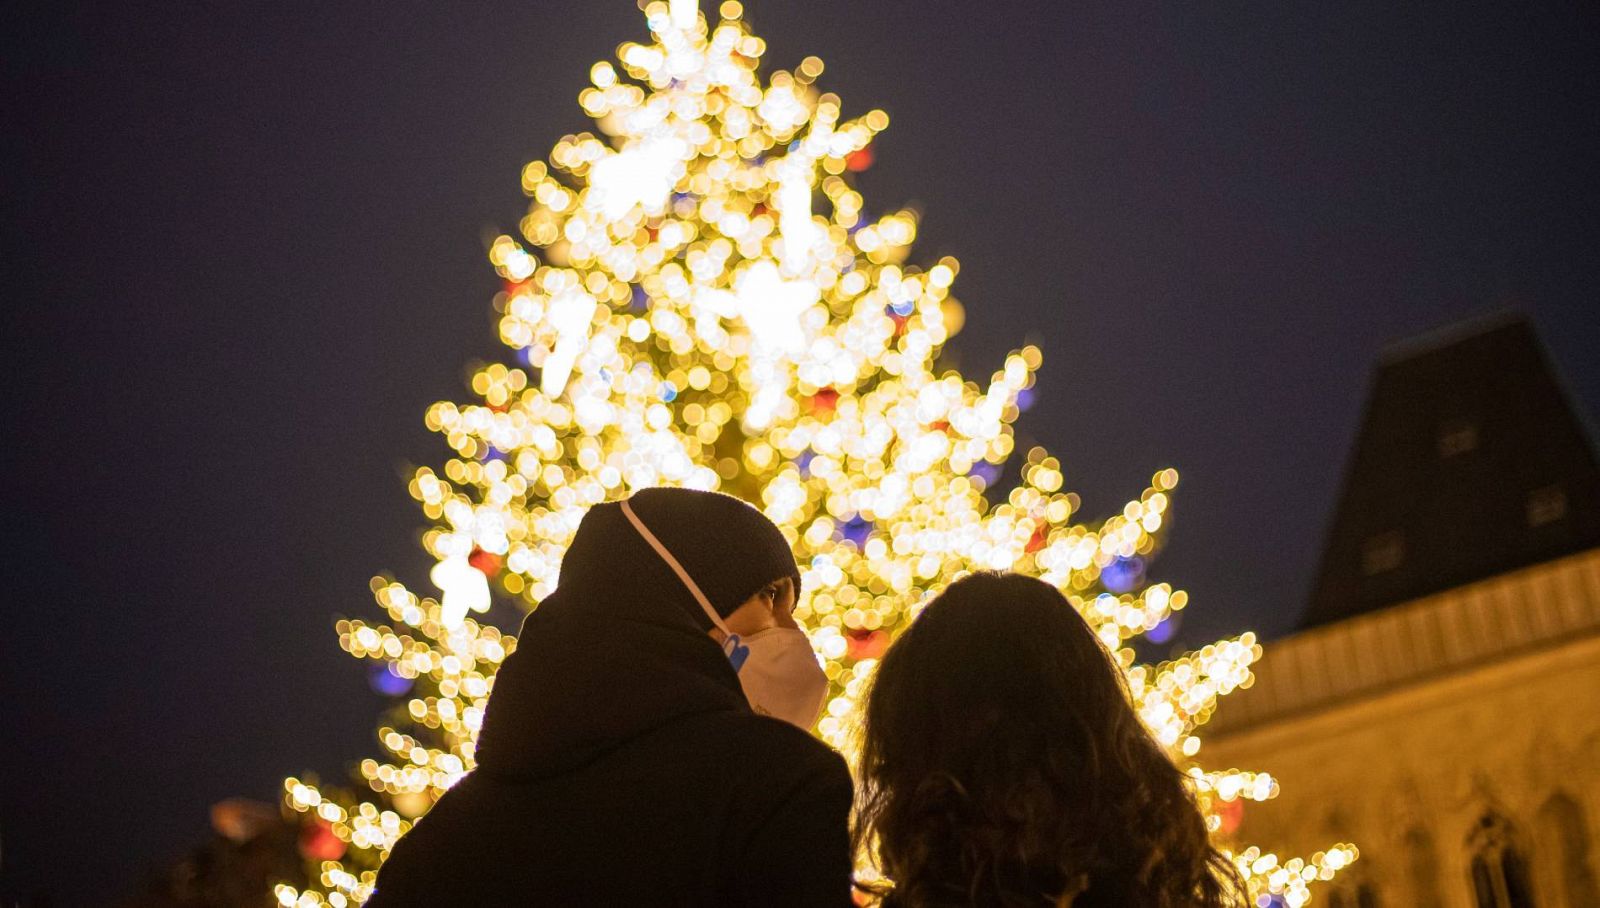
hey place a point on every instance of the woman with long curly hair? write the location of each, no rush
(1002, 764)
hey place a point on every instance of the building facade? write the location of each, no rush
(1454, 739)
(1440, 706)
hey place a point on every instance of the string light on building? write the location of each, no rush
(698, 297)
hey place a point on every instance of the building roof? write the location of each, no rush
(1470, 462)
(1549, 606)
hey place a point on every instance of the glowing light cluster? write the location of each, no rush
(1177, 697)
(699, 298)
(1291, 880)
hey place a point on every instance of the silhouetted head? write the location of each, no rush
(1002, 764)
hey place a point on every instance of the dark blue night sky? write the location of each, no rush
(247, 246)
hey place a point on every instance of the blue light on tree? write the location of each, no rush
(986, 471)
(857, 529)
(1123, 574)
(383, 679)
(1163, 632)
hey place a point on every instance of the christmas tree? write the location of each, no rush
(699, 298)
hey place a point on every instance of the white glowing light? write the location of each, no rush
(641, 174)
(571, 313)
(464, 588)
(800, 232)
(684, 13)
(771, 306)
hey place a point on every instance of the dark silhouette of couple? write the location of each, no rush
(647, 744)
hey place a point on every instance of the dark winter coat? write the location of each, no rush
(620, 764)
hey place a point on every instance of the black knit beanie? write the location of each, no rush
(730, 549)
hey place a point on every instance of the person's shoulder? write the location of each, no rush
(755, 740)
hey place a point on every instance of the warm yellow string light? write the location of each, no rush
(699, 299)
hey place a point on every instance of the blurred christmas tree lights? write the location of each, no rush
(698, 298)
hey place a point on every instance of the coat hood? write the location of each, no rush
(621, 647)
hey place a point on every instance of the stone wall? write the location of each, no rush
(1462, 726)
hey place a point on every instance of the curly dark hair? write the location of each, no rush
(1002, 764)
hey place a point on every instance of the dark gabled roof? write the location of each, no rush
(1470, 462)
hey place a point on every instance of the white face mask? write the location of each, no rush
(781, 677)
(777, 668)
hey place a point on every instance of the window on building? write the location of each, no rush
(1457, 437)
(1515, 875)
(1483, 884)
(1563, 839)
(1383, 552)
(1499, 874)
(1546, 505)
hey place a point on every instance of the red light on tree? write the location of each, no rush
(487, 562)
(1231, 814)
(865, 644)
(318, 843)
(826, 400)
(1036, 542)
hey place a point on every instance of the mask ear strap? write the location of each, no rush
(730, 645)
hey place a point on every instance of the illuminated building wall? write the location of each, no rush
(1442, 707)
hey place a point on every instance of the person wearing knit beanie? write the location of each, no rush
(730, 549)
(642, 744)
